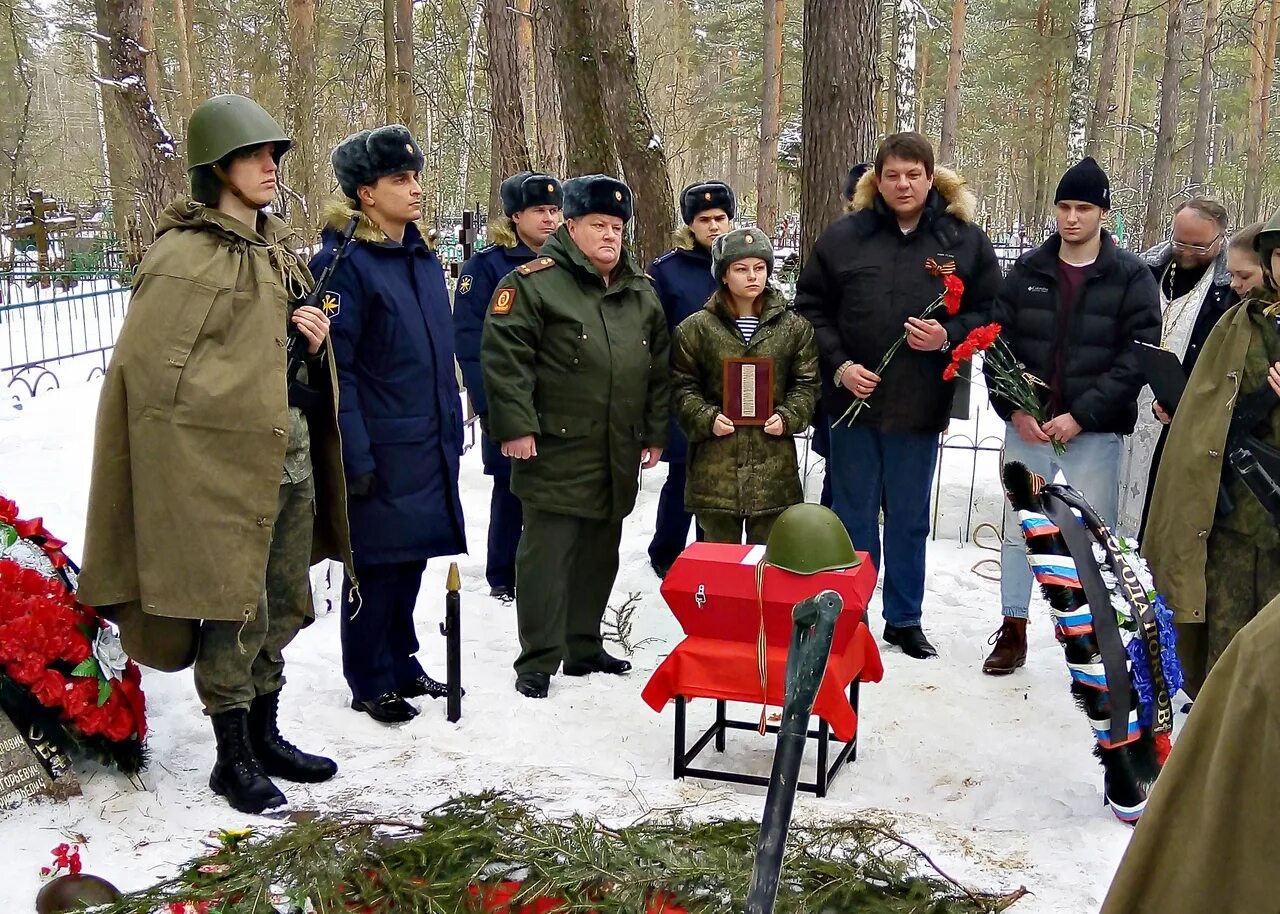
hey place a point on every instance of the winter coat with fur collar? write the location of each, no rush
(864, 278)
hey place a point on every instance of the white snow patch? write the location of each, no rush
(994, 777)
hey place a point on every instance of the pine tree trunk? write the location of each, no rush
(1117, 11)
(838, 103)
(640, 149)
(588, 141)
(905, 66)
(116, 147)
(161, 176)
(1269, 72)
(522, 10)
(469, 109)
(186, 88)
(1257, 113)
(951, 96)
(922, 85)
(405, 106)
(775, 15)
(1167, 131)
(390, 102)
(1078, 110)
(1204, 99)
(735, 171)
(506, 106)
(547, 89)
(150, 56)
(1130, 44)
(301, 165)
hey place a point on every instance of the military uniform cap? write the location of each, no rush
(364, 157)
(597, 194)
(704, 195)
(740, 244)
(526, 188)
(1268, 240)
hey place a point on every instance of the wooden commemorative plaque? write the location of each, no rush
(748, 391)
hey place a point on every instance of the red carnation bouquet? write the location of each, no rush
(61, 665)
(952, 293)
(1008, 377)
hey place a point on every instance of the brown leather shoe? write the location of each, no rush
(1010, 651)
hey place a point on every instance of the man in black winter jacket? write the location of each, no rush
(865, 283)
(1072, 312)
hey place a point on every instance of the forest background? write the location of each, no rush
(778, 97)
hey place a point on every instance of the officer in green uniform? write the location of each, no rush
(215, 485)
(575, 361)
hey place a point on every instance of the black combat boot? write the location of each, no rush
(237, 773)
(279, 757)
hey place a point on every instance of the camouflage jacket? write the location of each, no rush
(747, 472)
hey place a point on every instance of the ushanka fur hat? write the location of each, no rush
(739, 245)
(526, 188)
(705, 195)
(364, 157)
(597, 194)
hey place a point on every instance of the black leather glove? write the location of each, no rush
(362, 486)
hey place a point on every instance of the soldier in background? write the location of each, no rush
(575, 360)
(683, 279)
(531, 212)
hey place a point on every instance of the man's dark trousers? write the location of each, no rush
(378, 637)
(565, 569)
(871, 469)
(671, 531)
(506, 518)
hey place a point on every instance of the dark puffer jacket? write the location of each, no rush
(748, 472)
(1092, 350)
(864, 278)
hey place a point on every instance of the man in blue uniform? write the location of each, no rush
(531, 213)
(399, 413)
(683, 279)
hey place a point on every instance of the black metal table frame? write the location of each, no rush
(826, 774)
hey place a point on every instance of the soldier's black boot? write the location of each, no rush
(279, 757)
(237, 773)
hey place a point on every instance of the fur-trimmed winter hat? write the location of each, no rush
(705, 195)
(364, 157)
(526, 188)
(1085, 182)
(739, 245)
(597, 194)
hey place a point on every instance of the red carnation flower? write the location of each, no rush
(49, 688)
(949, 373)
(953, 291)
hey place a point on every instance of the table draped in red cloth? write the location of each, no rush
(711, 589)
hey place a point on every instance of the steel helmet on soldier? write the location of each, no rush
(808, 538)
(225, 123)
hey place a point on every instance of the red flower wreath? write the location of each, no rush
(60, 663)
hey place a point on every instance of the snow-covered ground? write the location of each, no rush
(994, 777)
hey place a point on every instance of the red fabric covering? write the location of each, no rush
(712, 591)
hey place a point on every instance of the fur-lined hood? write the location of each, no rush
(339, 210)
(961, 202)
(682, 239)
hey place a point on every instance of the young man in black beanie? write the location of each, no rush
(683, 279)
(1071, 310)
(530, 213)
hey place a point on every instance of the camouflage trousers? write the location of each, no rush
(240, 660)
(1240, 579)
(721, 527)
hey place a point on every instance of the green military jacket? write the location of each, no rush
(584, 368)
(747, 472)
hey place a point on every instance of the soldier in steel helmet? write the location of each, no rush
(212, 493)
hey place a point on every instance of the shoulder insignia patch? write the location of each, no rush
(504, 301)
(331, 304)
(533, 266)
(464, 285)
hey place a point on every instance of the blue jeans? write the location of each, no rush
(1090, 465)
(871, 469)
